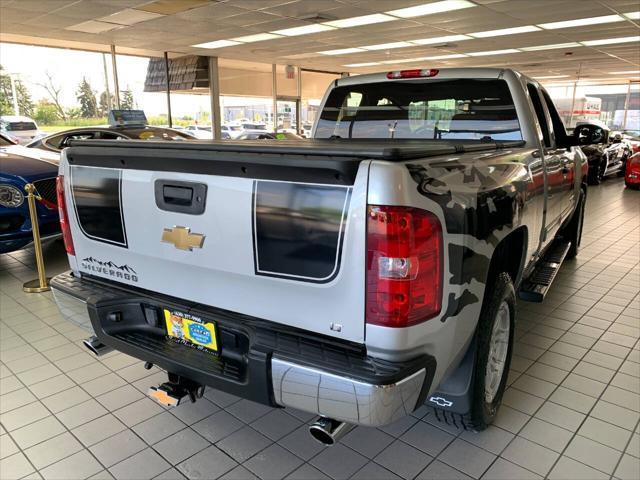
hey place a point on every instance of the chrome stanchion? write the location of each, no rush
(40, 284)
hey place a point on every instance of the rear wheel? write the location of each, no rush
(493, 356)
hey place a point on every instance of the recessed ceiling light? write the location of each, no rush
(542, 77)
(624, 72)
(130, 16)
(493, 52)
(446, 57)
(402, 60)
(217, 44)
(632, 15)
(387, 46)
(93, 26)
(342, 51)
(258, 37)
(356, 65)
(609, 41)
(436, 40)
(304, 30)
(358, 21)
(431, 8)
(581, 22)
(505, 31)
(554, 46)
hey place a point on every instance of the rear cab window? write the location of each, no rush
(447, 109)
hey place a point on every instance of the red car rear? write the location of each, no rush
(632, 172)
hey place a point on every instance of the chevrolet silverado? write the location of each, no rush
(357, 275)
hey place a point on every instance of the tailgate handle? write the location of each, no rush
(180, 197)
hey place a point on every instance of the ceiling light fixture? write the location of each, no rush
(387, 46)
(544, 77)
(342, 51)
(445, 57)
(357, 65)
(431, 8)
(436, 40)
(493, 52)
(217, 44)
(553, 46)
(358, 21)
(580, 22)
(624, 72)
(610, 41)
(632, 15)
(258, 37)
(403, 60)
(304, 30)
(93, 26)
(505, 31)
(130, 16)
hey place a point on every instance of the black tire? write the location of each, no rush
(596, 174)
(483, 411)
(573, 231)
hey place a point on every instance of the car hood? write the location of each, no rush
(26, 164)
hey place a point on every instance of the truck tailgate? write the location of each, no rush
(274, 236)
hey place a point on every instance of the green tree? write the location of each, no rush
(46, 113)
(126, 99)
(87, 98)
(25, 105)
(104, 104)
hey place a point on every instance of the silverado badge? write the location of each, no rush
(182, 238)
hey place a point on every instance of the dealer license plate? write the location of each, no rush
(190, 330)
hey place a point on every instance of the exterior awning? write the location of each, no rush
(186, 75)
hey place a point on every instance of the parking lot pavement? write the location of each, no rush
(571, 410)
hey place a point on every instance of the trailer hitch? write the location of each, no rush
(171, 393)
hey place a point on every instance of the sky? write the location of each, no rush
(67, 67)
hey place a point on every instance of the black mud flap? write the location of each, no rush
(452, 401)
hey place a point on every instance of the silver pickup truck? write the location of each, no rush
(356, 275)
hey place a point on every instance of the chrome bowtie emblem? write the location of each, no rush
(182, 238)
(441, 402)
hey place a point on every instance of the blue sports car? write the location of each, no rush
(18, 167)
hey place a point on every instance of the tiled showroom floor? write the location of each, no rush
(571, 411)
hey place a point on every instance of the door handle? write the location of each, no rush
(180, 197)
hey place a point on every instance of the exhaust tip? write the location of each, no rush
(321, 435)
(96, 346)
(328, 431)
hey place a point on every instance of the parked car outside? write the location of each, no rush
(18, 167)
(57, 141)
(268, 136)
(201, 132)
(22, 129)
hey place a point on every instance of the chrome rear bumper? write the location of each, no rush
(308, 388)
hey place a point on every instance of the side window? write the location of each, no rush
(556, 121)
(55, 142)
(542, 119)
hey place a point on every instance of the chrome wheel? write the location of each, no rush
(499, 347)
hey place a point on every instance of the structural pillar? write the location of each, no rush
(214, 95)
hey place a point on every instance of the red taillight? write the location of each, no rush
(64, 218)
(415, 73)
(404, 266)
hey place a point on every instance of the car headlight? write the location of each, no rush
(10, 196)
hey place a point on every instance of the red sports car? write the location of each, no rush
(632, 172)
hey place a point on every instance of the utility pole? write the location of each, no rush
(106, 80)
(16, 109)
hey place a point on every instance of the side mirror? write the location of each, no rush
(589, 135)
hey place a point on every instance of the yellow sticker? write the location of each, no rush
(190, 329)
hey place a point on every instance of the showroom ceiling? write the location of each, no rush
(553, 40)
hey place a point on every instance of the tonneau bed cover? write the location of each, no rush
(327, 160)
